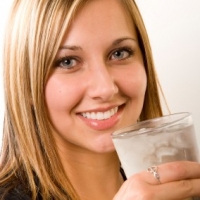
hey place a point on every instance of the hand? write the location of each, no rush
(178, 181)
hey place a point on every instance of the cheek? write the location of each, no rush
(60, 95)
(134, 82)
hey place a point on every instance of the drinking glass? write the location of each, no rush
(155, 141)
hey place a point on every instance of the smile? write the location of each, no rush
(100, 115)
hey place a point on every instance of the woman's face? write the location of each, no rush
(98, 82)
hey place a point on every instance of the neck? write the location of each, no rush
(93, 175)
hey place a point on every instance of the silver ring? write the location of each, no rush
(154, 170)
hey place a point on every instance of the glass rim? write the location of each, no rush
(120, 133)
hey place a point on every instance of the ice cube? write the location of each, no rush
(151, 160)
(162, 152)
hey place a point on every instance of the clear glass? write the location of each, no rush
(155, 141)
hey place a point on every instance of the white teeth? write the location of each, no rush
(107, 114)
(88, 115)
(93, 115)
(100, 115)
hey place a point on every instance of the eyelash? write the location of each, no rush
(128, 50)
(59, 62)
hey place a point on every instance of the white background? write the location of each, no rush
(174, 31)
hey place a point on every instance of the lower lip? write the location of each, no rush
(102, 124)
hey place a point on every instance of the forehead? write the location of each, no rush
(112, 8)
(97, 15)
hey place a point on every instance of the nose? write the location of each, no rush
(102, 84)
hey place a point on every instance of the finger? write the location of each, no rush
(174, 171)
(183, 189)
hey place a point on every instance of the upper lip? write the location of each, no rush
(102, 109)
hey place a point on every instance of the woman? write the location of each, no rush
(75, 71)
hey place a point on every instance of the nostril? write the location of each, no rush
(105, 93)
(103, 90)
(101, 84)
(116, 89)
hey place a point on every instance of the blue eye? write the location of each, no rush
(66, 62)
(121, 54)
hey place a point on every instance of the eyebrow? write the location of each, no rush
(70, 47)
(116, 42)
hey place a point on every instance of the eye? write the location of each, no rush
(67, 62)
(121, 54)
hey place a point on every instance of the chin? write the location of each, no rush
(104, 149)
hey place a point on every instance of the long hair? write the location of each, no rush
(35, 31)
(152, 105)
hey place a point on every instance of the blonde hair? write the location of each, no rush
(152, 105)
(36, 29)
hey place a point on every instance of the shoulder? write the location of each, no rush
(16, 193)
(16, 189)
